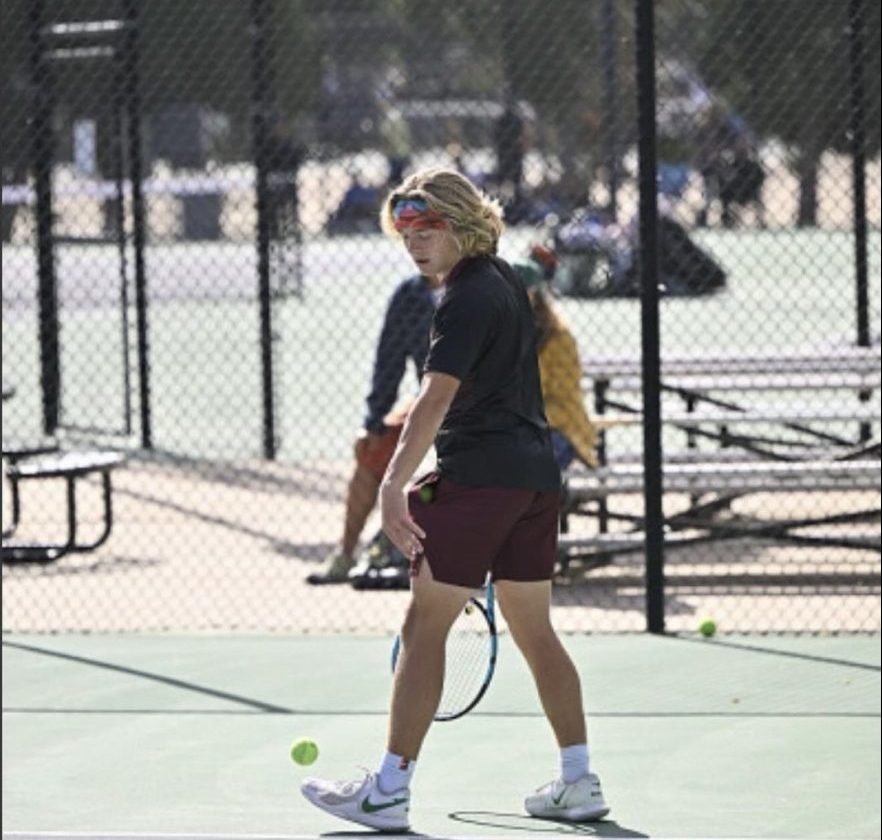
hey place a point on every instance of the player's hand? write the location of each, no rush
(398, 525)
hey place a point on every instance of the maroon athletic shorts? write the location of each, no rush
(470, 531)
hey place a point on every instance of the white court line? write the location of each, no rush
(568, 831)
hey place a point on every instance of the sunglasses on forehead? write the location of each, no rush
(415, 213)
(416, 204)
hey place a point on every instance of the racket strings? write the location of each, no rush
(468, 661)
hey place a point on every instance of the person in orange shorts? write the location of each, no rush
(404, 337)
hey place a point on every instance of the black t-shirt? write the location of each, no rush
(495, 433)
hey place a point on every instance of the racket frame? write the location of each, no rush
(488, 611)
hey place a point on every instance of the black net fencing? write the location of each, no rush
(194, 277)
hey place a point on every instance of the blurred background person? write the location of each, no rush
(397, 140)
(284, 157)
(511, 139)
(404, 337)
(573, 434)
(730, 169)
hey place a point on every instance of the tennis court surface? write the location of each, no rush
(121, 736)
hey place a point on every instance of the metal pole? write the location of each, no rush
(139, 215)
(41, 152)
(649, 309)
(509, 61)
(610, 103)
(857, 138)
(260, 77)
(118, 106)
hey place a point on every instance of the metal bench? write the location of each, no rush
(702, 383)
(69, 467)
(743, 477)
(756, 415)
(760, 448)
(844, 360)
(723, 481)
(716, 403)
(725, 455)
(722, 383)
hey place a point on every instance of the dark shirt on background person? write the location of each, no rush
(404, 336)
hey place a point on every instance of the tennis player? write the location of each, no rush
(494, 507)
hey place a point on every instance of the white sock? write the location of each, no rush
(573, 762)
(395, 773)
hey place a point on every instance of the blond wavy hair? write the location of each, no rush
(475, 219)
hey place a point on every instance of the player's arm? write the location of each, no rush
(436, 394)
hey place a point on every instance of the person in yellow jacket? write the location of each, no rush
(573, 435)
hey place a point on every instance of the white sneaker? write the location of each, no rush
(579, 801)
(360, 801)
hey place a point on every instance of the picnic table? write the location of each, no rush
(45, 462)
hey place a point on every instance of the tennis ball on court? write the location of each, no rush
(427, 493)
(707, 628)
(304, 751)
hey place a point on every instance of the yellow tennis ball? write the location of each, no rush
(427, 493)
(707, 628)
(304, 751)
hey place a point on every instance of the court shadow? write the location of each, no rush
(370, 832)
(535, 827)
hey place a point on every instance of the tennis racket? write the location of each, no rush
(470, 658)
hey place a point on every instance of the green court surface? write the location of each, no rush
(159, 736)
(787, 290)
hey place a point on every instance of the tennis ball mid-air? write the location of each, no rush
(707, 628)
(304, 751)
(427, 493)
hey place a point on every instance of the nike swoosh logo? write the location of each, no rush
(370, 808)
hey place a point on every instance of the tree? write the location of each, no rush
(784, 66)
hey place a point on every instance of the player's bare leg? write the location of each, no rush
(527, 610)
(577, 794)
(419, 673)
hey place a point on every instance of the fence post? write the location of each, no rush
(649, 310)
(857, 138)
(609, 41)
(139, 216)
(41, 151)
(260, 79)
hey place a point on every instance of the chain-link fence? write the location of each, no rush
(193, 275)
